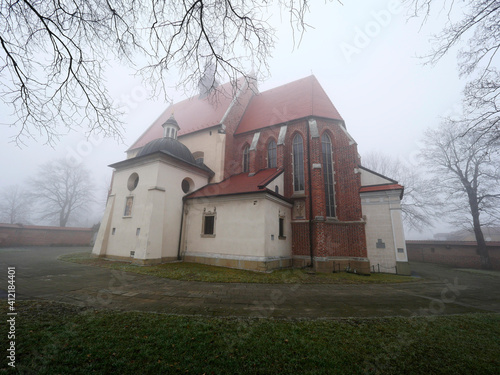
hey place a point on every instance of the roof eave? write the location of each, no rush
(134, 160)
(304, 118)
(260, 191)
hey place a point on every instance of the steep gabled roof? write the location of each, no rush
(239, 184)
(299, 99)
(193, 114)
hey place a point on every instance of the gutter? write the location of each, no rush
(311, 246)
(180, 232)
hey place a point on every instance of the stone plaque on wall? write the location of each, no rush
(299, 210)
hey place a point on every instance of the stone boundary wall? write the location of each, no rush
(17, 235)
(461, 254)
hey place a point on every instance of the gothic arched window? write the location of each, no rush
(271, 154)
(298, 163)
(246, 159)
(326, 150)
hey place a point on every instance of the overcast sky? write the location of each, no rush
(364, 56)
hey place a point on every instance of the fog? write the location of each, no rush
(366, 59)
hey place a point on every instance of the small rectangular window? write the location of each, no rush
(209, 225)
(128, 206)
(281, 228)
(138, 231)
(113, 231)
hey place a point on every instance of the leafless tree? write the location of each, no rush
(62, 191)
(14, 205)
(53, 53)
(416, 208)
(477, 21)
(466, 177)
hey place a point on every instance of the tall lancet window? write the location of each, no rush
(170, 128)
(271, 154)
(326, 149)
(298, 163)
(246, 159)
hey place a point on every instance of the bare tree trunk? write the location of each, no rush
(63, 191)
(482, 249)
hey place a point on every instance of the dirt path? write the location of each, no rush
(39, 275)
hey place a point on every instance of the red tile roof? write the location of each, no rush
(386, 187)
(299, 99)
(239, 184)
(192, 114)
(366, 189)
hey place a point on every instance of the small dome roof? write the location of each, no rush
(168, 146)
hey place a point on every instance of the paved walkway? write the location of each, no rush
(442, 290)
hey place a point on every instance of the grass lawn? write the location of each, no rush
(202, 272)
(54, 338)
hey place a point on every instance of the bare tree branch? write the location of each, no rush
(53, 54)
(62, 192)
(465, 167)
(478, 21)
(14, 205)
(416, 205)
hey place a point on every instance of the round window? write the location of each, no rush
(133, 181)
(187, 185)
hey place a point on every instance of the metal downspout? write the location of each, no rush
(180, 231)
(311, 246)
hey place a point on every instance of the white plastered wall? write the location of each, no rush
(384, 229)
(369, 179)
(384, 222)
(277, 182)
(246, 227)
(276, 246)
(212, 144)
(152, 231)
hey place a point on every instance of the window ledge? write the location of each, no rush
(299, 194)
(208, 235)
(282, 238)
(331, 218)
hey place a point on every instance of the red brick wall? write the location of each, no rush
(340, 240)
(451, 253)
(232, 164)
(348, 183)
(329, 239)
(300, 238)
(258, 157)
(30, 235)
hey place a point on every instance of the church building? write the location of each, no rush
(253, 180)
